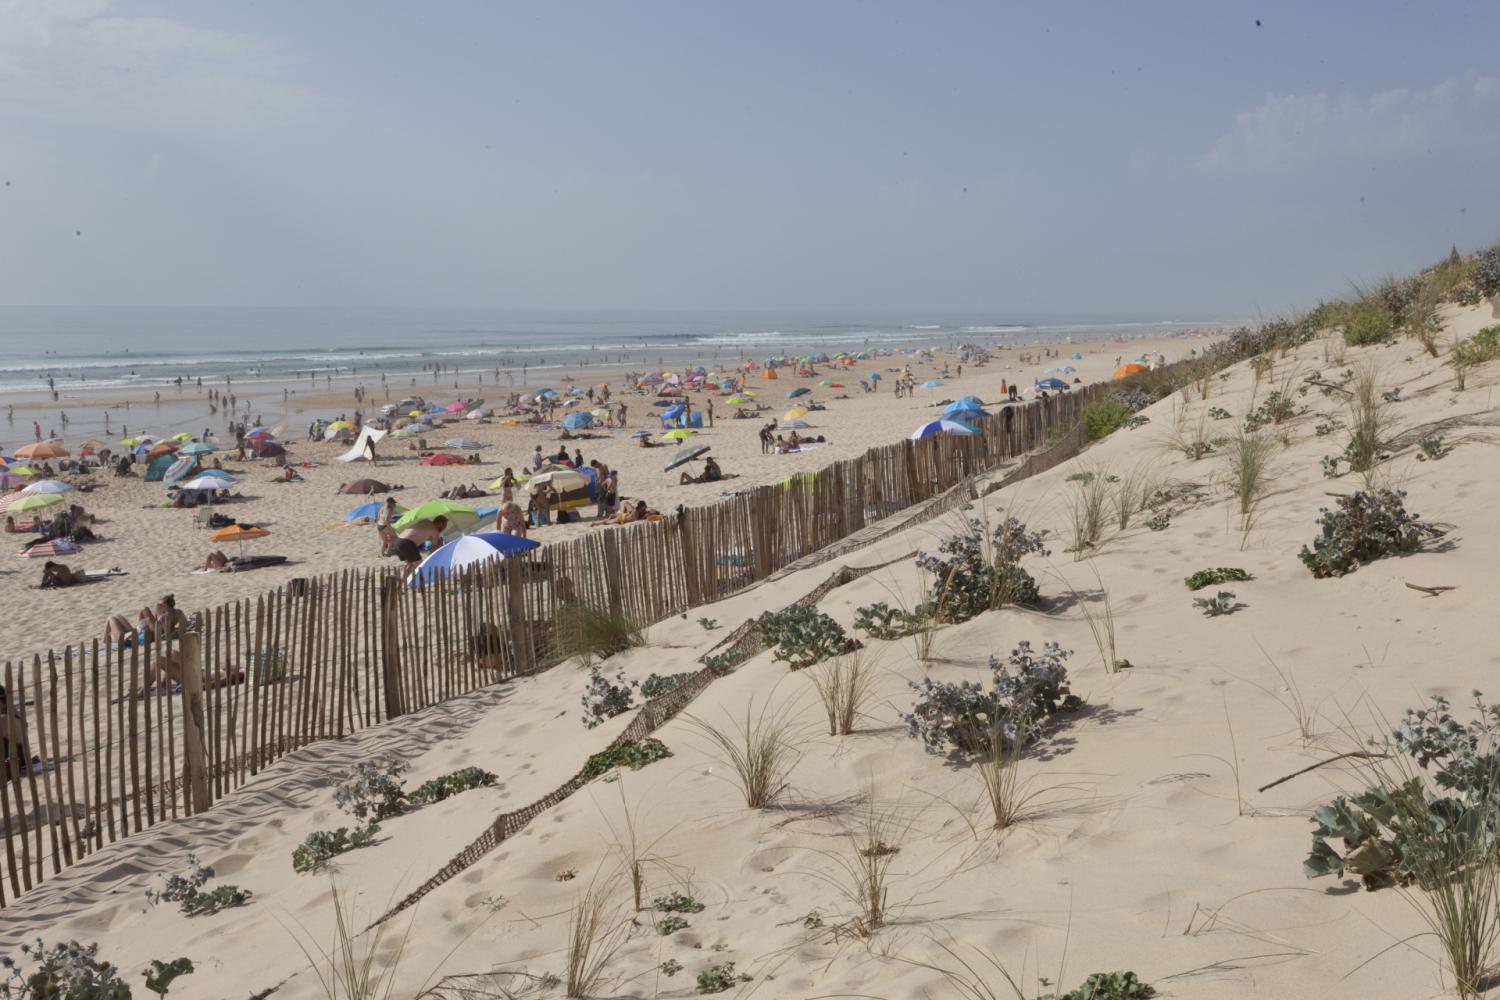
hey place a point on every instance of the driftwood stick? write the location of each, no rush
(1331, 760)
(1430, 591)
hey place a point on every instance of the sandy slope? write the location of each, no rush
(1150, 849)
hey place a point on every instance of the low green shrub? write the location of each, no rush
(1214, 577)
(670, 967)
(670, 925)
(1367, 526)
(372, 790)
(1369, 324)
(881, 621)
(603, 700)
(452, 784)
(321, 847)
(1105, 416)
(677, 902)
(1476, 350)
(1107, 986)
(718, 978)
(160, 975)
(657, 684)
(634, 754)
(1486, 271)
(804, 635)
(1025, 691)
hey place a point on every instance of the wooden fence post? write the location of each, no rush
(390, 660)
(194, 744)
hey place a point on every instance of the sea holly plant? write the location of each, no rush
(1397, 832)
(721, 977)
(603, 700)
(187, 891)
(447, 785)
(1213, 577)
(881, 621)
(975, 571)
(372, 789)
(1221, 603)
(1108, 986)
(322, 846)
(1367, 525)
(70, 971)
(160, 975)
(1025, 691)
(804, 635)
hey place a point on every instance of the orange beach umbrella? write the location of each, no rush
(42, 449)
(238, 533)
(1129, 369)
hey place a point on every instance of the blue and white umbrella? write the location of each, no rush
(180, 469)
(48, 486)
(1061, 370)
(370, 511)
(942, 427)
(1051, 383)
(955, 411)
(216, 474)
(469, 550)
(578, 421)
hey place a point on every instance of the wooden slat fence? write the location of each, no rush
(105, 741)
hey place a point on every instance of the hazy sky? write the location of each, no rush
(1163, 160)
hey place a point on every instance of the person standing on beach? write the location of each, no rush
(36, 429)
(710, 411)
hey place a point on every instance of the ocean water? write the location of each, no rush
(102, 348)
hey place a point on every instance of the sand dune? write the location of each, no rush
(1149, 847)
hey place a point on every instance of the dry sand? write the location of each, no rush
(1150, 848)
(158, 548)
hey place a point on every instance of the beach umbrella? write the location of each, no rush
(197, 448)
(182, 438)
(1077, 356)
(1051, 383)
(443, 458)
(23, 470)
(455, 407)
(546, 393)
(164, 448)
(1129, 369)
(34, 501)
(932, 383)
(207, 483)
(9, 479)
(799, 391)
(599, 414)
(466, 443)
(873, 376)
(680, 434)
(42, 449)
(458, 515)
(971, 402)
(562, 479)
(578, 421)
(238, 533)
(218, 474)
(674, 411)
(180, 469)
(365, 486)
(87, 448)
(941, 427)
(478, 414)
(769, 373)
(795, 413)
(1060, 370)
(737, 401)
(48, 486)
(419, 428)
(962, 406)
(685, 456)
(370, 511)
(470, 550)
(794, 425)
(267, 449)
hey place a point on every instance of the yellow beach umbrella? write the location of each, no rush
(680, 434)
(795, 413)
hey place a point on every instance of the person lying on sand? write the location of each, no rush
(215, 560)
(711, 474)
(462, 492)
(55, 574)
(119, 631)
(289, 475)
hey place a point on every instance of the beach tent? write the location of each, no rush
(266, 448)
(364, 445)
(737, 400)
(1129, 369)
(338, 429)
(158, 466)
(469, 550)
(941, 427)
(769, 373)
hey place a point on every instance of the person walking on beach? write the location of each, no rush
(710, 411)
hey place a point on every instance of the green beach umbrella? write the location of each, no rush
(458, 515)
(34, 501)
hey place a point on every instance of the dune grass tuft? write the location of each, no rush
(761, 752)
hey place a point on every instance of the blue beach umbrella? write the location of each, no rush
(673, 412)
(963, 414)
(180, 469)
(1077, 356)
(469, 550)
(196, 448)
(1061, 370)
(971, 402)
(369, 511)
(942, 427)
(800, 391)
(873, 376)
(932, 383)
(1051, 383)
(578, 421)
